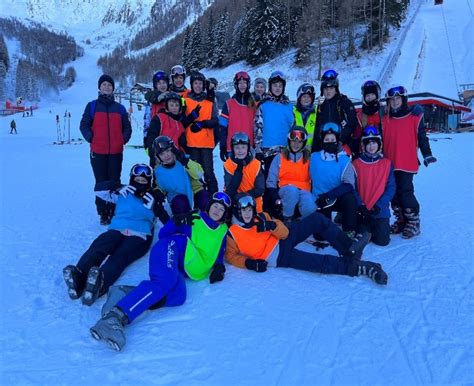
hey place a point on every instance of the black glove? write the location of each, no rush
(224, 155)
(429, 160)
(160, 212)
(265, 225)
(375, 210)
(258, 265)
(196, 127)
(217, 273)
(259, 156)
(180, 156)
(158, 195)
(186, 218)
(363, 211)
(323, 201)
(195, 113)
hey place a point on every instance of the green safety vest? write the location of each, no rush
(310, 124)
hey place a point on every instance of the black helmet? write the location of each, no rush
(161, 75)
(331, 128)
(297, 132)
(142, 170)
(241, 139)
(370, 87)
(277, 76)
(371, 133)
(172, 96)
(162, 143)
(223, 199)
(196, 75)
(243, 201)
(398, 91)
(329, 79)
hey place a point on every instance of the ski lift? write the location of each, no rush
(438, 2)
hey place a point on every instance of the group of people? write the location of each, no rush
(287, 168)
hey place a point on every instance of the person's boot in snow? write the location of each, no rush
(94, 283)
(75, 281)
(111, 329)
(369, 269)
(412, 226)
(359, 242)
(399, 224)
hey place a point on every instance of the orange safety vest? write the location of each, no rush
(255, 245)
(294, 173)
(249, 175)
(204, 138)
(371, 179)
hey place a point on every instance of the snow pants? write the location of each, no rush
(300, 230)
(347, 206)
(405, 191)
(167, 279)
(204, 157)
(121, 251)
(291, 196)
(107, 169)
(378, 227)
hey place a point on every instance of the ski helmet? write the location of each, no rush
(277, 76)
(172, 96)
(196, 75)
(297, 132)
(178, 70)
(371, 133)
(331, 128)
(329, 79)
(162, 143)
(370, 87)
(213, 81)
(305, 88)
(398, 91)
(223, 199)
(241, 75)
(243, 201)
(142, 170)
(160, 75)
(240, 139)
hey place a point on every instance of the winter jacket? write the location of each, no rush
(375, 183)
(330, 174)
(403, 133)
(106, 126)
(131, 214)
(236, 116)
(340, 110)
(208, 119)
(245, 242)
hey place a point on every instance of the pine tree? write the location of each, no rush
(186, 55)
(196, 56)
(220, 49)
(210, 42)
(4, 58)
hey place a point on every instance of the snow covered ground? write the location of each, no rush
(281, 327)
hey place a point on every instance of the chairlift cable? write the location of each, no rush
(449, 47)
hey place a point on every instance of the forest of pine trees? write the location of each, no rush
(257, 31)
(43, 55)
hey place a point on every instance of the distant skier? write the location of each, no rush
(105, 124)
(13, 127)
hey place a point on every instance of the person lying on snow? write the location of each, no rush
(191, 246)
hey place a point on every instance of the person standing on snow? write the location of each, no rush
(334, 107)
(105, 124)
(13, 127)
(191, 246)
(305, 111)
(403, 133)
(128, 238)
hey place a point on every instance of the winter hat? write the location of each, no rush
(261, 81)
(106, 78)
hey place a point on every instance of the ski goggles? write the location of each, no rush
(140, 170)
(275, 75)
(160, 75)
(222, 198)
(371, 131)
(331, 127)
(240, 138)
(242, 75)
(396, 91)
(306, 89)
(246, 201)
(297, 135)
(329, 74)
(370, 83)
(178, 70)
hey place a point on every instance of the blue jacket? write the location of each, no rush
(277, 121)
(130, 213)
(173, 181)
(327, 175)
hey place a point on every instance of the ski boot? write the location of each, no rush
(412, 226)
(111, 329)
(75, 281)
(94, 283)
(399, 224)
(359, 242)
(367, 268)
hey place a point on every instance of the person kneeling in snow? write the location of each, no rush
(128, 238)
(192, 245)
(256, 241)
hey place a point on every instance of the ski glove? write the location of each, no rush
(195, 113)
(258, 265)
(429, 160)
(323, 201)
(149, 201)
(159, 196)
(266, 225)
(363, 211)
(196, 127)
(186, 218)
(223, 154)
(127, 189)
(375, 210)
(180, 156)
(217, 273)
